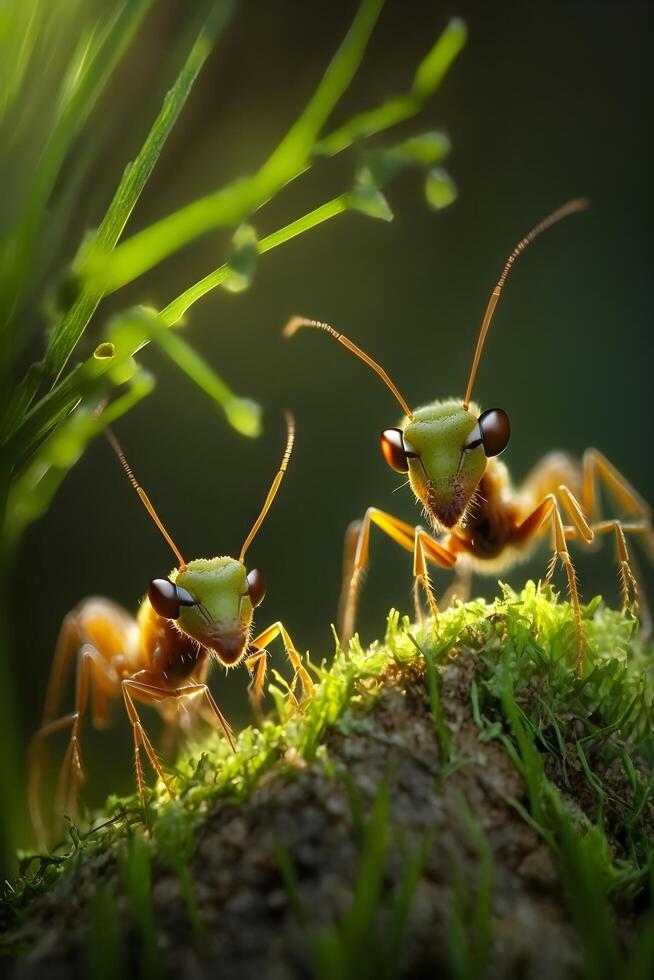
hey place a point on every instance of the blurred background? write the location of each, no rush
(547, 101)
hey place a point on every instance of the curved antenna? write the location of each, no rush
(279, 476)
(579, 204)
(296, 322)
(145, 500)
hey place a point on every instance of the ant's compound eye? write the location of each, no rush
(493, 431)
(396, 450)
(166, 598)
(256, 586)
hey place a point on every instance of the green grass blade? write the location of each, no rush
(97, 54)
(70, 328)
(32, 491)
(243, 414)
(233, 204)
(428, 77)
(176, 309)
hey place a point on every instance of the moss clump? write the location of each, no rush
(453, 800)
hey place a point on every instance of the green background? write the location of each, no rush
(547, 102)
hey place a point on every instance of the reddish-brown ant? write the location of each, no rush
(202, 611)
(449, 450)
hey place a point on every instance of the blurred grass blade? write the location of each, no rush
(32, 491)
(234, 203)
(242, 413)
(97, 54)
(433, 68)
(18, 34)
(395, 110)
(296, 146)
(70, 328)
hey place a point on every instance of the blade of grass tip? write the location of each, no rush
(298, 142)
(231, 205)
(428, 77)
(70, 328)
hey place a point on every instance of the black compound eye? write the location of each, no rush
(396, 450)
(494, 430)
(166, 598)
(256, 586)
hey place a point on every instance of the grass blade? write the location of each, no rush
(71, 327)
(233, 204)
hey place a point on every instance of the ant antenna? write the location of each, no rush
(144, 497)
(579, 204)
(279, 476)
(296, 322)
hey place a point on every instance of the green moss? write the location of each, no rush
(582, 747)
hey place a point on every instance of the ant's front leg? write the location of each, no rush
(256, 662)
(139, 687)
(357, 547)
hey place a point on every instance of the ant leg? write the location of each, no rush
(629, 587)
(548, 509)
(154, 694)
(68, 643)
(412, 539)
(34, 767)
(597, 469)
(91, 666)
(256, 664)
(141, 739)
(278, 629)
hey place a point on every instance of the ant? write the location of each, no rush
(202, 611)
(449, 450)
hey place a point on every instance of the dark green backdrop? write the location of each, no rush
(548, 101)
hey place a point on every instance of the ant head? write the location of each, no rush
(444, 448)
(211, 600)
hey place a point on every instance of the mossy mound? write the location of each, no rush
(453, 802)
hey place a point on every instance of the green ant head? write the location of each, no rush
(444, 447)
(211, 600)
